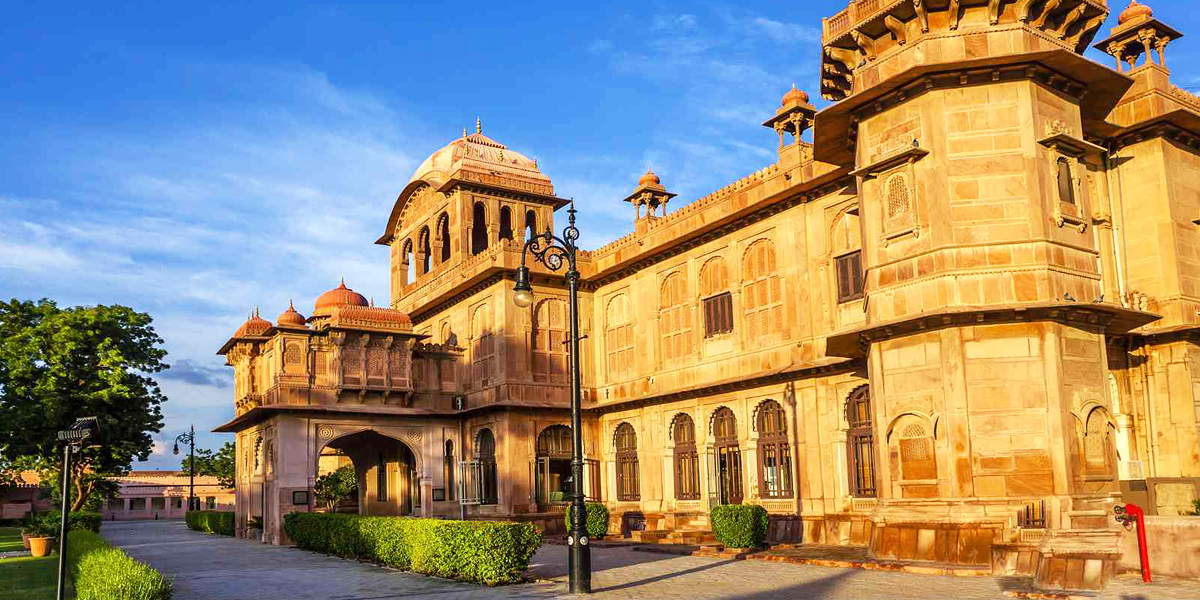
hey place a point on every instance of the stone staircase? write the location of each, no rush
(694, 537)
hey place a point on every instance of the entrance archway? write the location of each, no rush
(386, 470)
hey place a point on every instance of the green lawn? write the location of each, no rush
(26, 578)
(29, 578)
(10, 539)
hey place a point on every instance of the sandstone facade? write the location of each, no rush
(960, 325)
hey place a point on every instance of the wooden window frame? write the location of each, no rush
(485, 453)
(685, 458)
(860, 446)
(619, 340)
(773, 444)
(718, 314)
(628, 489)
(851, 284)
(727, 446)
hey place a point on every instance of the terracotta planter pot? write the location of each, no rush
(25, 539)
(41, 546)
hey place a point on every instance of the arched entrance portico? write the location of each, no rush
(387, 471)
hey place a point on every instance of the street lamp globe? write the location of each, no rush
(522, 291)
(175, 451)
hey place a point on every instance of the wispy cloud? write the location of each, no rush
(195, 373)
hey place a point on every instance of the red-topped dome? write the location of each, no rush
(795, 95)
(649, 179)
(338, 296)
(254, 326)
(1134, 11)
(291, 318)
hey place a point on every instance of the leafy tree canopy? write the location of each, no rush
(57, 365)
(219, 465)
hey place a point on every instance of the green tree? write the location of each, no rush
(331, 488)
(57, 365)
(219, 465)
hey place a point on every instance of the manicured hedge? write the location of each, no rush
(101, 572)
(739, 525)
(87, 521)
(488, 552)
(210, 521)
(597, 519)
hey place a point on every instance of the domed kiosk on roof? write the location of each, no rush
(291, 318)
(254, 326)
(338, 296)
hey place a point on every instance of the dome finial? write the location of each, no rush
(1134, 11)
(478, 125)
(464, 132)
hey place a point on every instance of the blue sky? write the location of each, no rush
(197, 160)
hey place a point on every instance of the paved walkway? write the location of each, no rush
(211, 567)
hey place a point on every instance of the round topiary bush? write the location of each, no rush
(597, 519)
(739, 525)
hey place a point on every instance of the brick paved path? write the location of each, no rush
(210, 567)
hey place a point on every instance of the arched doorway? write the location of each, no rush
(728, 458)
(386, 470)
(552, 479)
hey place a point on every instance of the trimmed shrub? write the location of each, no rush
(596, 524)
(76, 520)
(488, 552)
(210, 521)
(739, 525)
(101, 572)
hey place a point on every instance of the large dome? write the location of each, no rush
(473, 156)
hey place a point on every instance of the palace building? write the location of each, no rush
(959, 326)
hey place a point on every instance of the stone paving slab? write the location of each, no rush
(211, 567)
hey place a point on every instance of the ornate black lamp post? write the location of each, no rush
(189, 438)
(77, 437)
(554, 252)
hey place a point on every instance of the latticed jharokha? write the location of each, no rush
(968, 295)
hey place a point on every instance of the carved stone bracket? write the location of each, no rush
(922, 15)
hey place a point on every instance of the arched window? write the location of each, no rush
(553, 469)
(687, 462)
(618, 338)
(716, 298)
(530, 224)
(548, 348)
(506, 229)
(762, 293)
(728, 457)
(482, 347)
(897, 195)
(426, 254)
(444, 233)
(485, 453)
(448, 469)
(625, 441)
(675, 318)
(555, 441)
(407, 264)
(1095, 443)
(774, 454)
(1066, 183)
(914, 445)
(861, 443)
(479, 230)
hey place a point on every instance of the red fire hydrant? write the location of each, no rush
(1130, 515)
